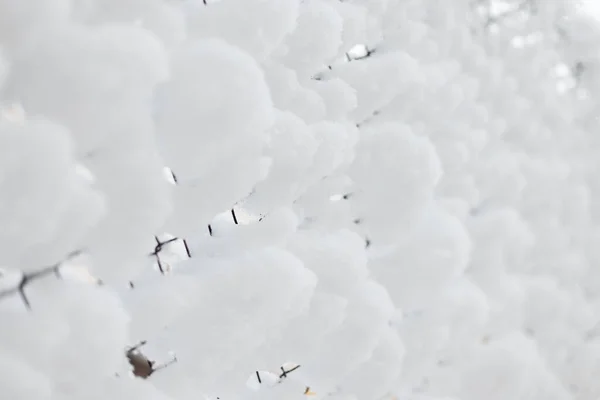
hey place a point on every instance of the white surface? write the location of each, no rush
(474, 181)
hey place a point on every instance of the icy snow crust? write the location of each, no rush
(361, 202)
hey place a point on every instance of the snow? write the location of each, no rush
(374, 200)
(200, 136)
(275, 18)
(304, 48)
(589, 7)
(393, 153)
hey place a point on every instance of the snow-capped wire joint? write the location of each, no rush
(284, 372)
(271, 378)
(359, 52)
(30, 277)
(142, 366)
(159, 245)
(157, 249)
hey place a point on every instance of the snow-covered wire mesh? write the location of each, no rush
(359, 199)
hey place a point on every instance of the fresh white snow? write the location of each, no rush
(345, 200)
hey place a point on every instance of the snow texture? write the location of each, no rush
(342, 200)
